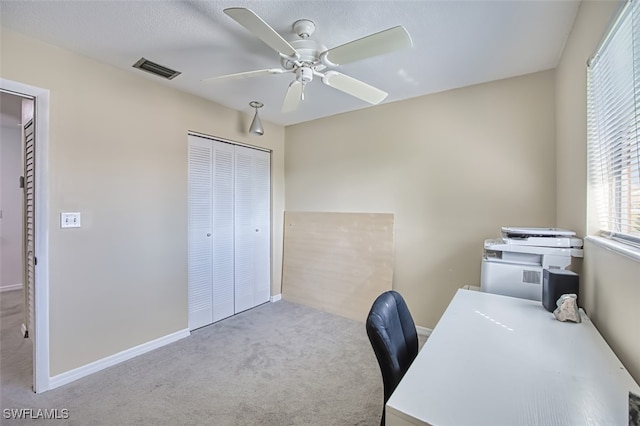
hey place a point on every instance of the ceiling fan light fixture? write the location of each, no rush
(256, 125)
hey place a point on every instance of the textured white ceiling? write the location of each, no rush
(456, 43)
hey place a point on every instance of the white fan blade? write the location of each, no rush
(353, 87)
(242, 75)
(252, 22)
(386, 41)
(293, 97)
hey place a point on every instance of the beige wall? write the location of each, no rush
(453, 167)
(610, 284)
(118, 155)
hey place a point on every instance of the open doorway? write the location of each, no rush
(11, 200)
(16, 279)
(32, 306)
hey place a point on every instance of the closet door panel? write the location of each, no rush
(262, 222)
(244, 229)
(223, 231)
(199, 275)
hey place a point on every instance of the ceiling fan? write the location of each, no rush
(307, 58)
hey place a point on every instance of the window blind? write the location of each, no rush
(613, 111)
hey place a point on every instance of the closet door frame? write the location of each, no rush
(260, 226)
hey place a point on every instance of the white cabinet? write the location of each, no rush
(229, 259)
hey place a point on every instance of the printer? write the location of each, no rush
(513, 265)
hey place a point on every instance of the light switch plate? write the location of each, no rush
(70, 220)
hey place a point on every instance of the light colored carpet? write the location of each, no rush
(277, 364)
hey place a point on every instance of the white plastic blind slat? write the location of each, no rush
(613, 118)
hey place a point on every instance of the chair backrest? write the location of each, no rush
(393, 336)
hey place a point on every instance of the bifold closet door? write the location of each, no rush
(200, 227)
(223, 238)
(252, 228)
(229, 259)
(211, 232)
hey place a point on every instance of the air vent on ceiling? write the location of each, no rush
(153, 68)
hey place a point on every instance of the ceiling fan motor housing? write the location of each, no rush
(309, 53)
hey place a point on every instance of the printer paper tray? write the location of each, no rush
(510, 261)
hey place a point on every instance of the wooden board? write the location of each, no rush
(337, 262)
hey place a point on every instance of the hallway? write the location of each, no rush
(16, 352)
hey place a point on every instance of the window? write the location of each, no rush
(613, 117)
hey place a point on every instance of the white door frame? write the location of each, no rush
(41, 377)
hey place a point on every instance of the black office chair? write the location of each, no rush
(394, 339)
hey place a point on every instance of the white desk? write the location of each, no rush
(498, 360)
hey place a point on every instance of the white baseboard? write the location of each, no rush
(11, 287)
(423, 331)
(101, 364)
(276, 297)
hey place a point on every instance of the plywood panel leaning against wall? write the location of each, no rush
(337, 262)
